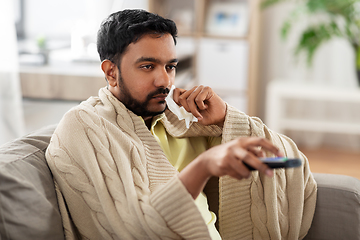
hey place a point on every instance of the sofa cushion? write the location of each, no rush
(28, 204)
(337, 212)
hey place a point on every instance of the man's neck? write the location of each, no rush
(148, 121)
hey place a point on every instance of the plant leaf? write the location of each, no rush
(313, 37)
(268, 3)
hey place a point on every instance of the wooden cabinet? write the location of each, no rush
(70, 81)
(219, 39)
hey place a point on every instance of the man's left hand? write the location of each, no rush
(203, 103)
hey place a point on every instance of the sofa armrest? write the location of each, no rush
(337, 212)
(28, 203)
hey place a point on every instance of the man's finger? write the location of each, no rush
(204, 95)
(176, 94)
(188, 101)
(182, 98)
(260, 142)
(237, 164)
(251, 160)
(257, 151)
(192, 104)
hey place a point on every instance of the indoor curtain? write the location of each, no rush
(11, 112)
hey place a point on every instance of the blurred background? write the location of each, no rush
(294, 64)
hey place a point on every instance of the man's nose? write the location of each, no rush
(163, 79)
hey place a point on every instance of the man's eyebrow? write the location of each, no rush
(151, 59)
(175, 60)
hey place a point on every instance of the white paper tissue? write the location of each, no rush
(180, 112)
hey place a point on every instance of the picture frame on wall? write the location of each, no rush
(228, 19)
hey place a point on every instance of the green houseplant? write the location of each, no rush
(327, 19)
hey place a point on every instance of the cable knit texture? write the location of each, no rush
(113, 181)
(281, 207)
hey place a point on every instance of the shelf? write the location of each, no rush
(319, 126)
(336, 117)
(62, 79)
(290, 90)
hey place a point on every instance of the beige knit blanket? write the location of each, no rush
(114, 182)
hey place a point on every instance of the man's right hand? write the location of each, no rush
(203, 103)
(227, 159)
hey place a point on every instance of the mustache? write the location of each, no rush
(158, 91)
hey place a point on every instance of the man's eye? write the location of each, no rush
(147, 66)
(171, 67)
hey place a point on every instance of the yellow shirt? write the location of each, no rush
(180, 152)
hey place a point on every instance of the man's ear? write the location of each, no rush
(110, 70)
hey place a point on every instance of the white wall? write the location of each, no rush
(55, 19)
(52, 19)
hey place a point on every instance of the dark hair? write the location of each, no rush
(124, 27)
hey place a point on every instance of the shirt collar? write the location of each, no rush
(155, 120)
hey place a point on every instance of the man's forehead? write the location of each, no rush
(151, 48)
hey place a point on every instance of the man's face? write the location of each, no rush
(147, 72)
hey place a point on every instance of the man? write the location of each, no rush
(126, 167)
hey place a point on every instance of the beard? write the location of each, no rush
(137, 107)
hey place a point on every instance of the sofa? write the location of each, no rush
(29, 209)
